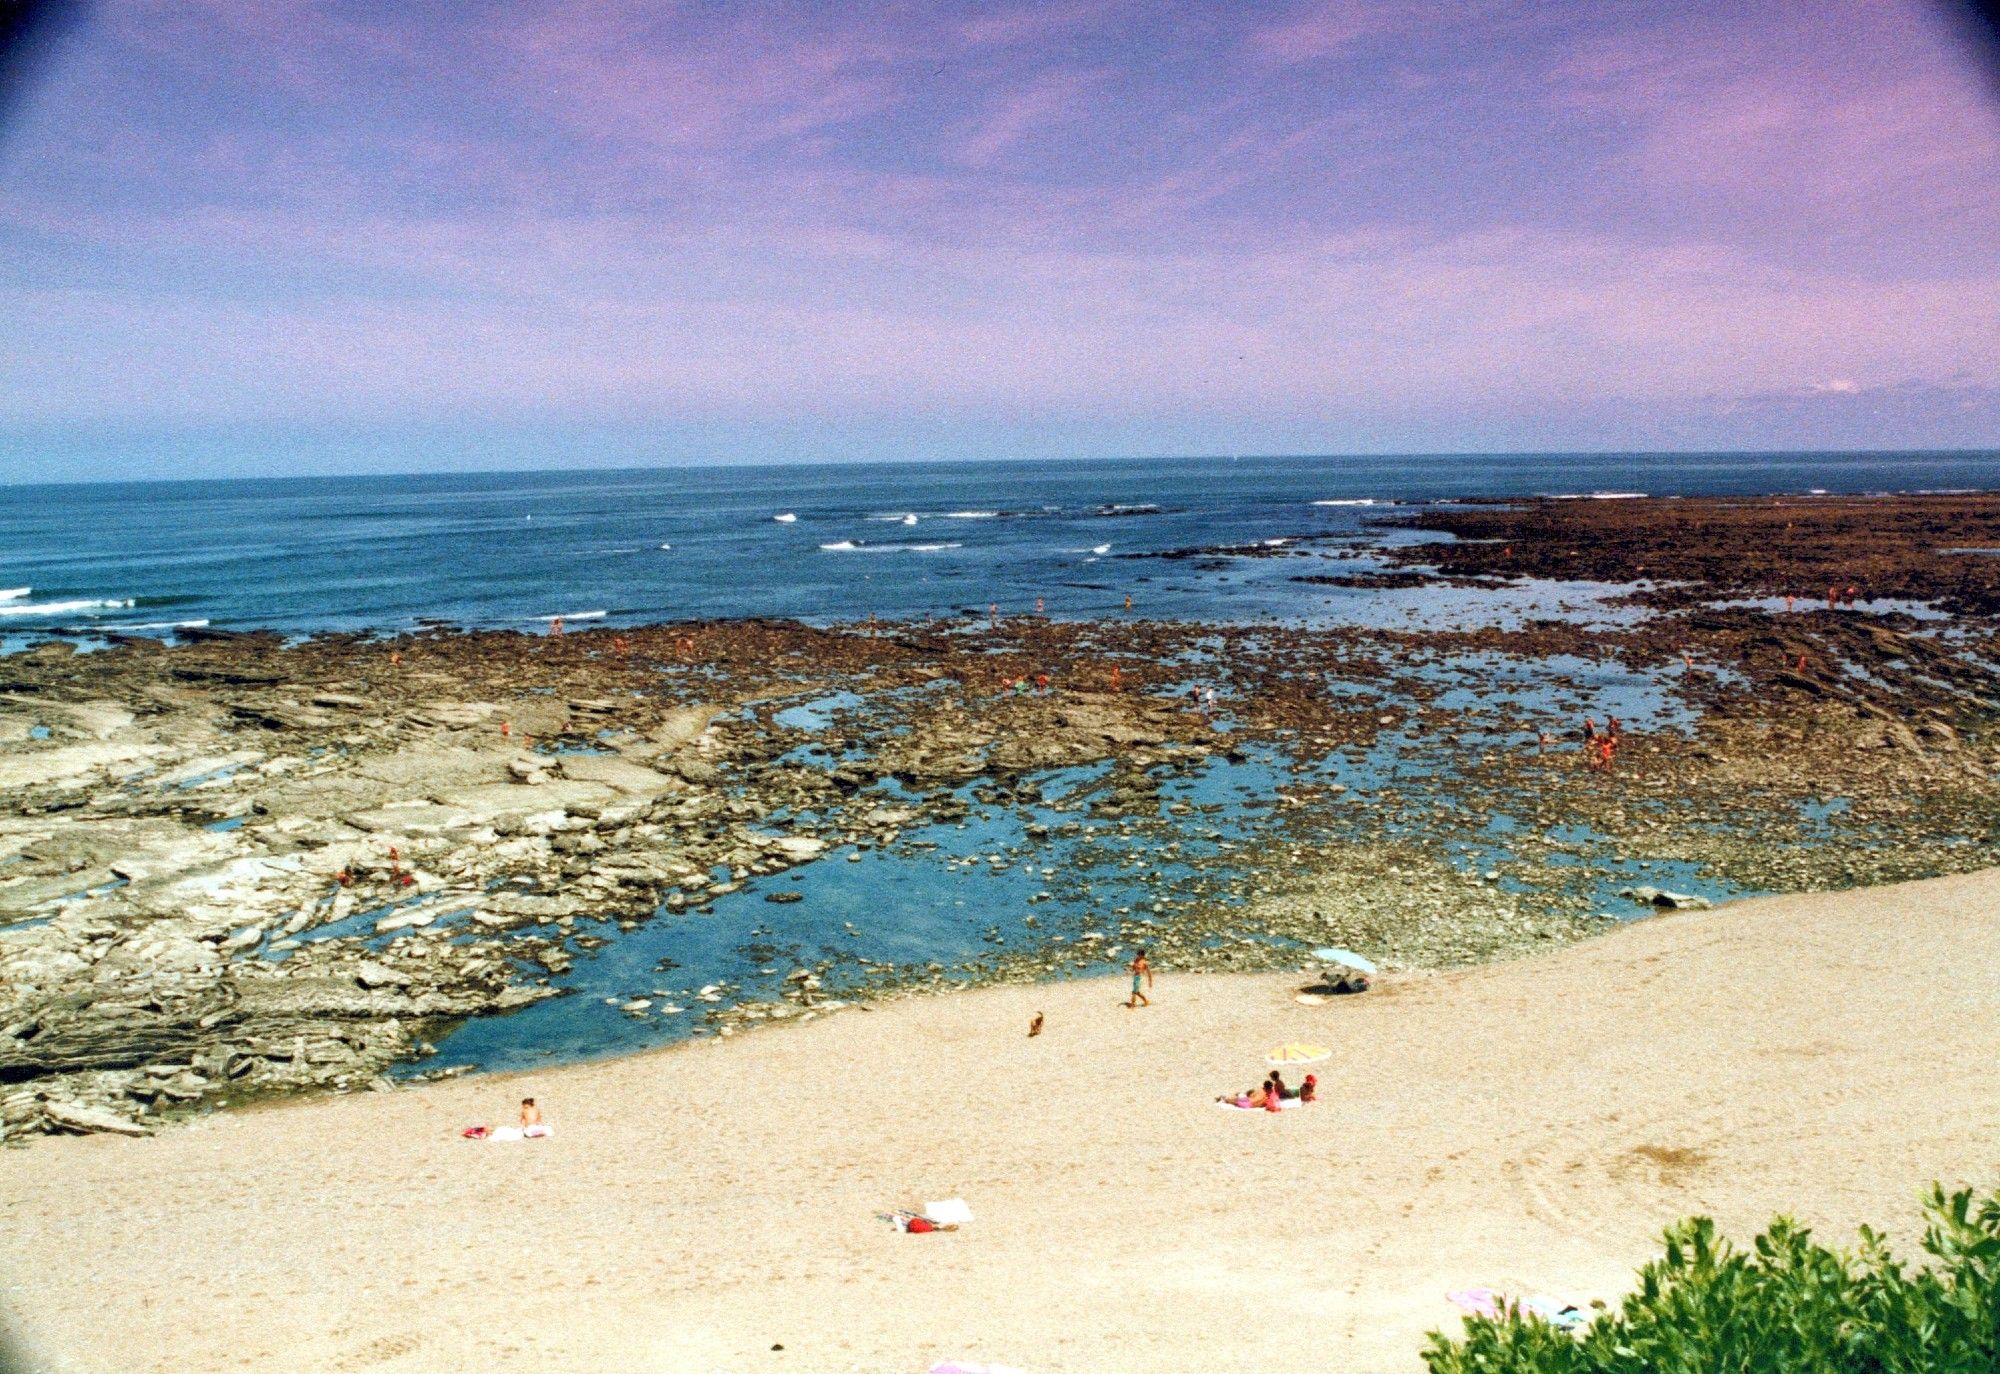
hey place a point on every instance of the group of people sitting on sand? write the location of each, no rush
(1272, 1094)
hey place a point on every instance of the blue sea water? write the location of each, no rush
(509, 549)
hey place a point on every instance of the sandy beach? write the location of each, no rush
(1528, 1126)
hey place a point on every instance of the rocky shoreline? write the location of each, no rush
(235, 867)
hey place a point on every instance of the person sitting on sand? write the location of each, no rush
(532, 1125)
(1309, 1090)
(1035, 1026)
(1278, 1082)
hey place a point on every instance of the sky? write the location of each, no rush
(244, 237)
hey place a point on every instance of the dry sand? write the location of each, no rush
(1529, 1126)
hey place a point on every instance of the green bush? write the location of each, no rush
(1790, 1305)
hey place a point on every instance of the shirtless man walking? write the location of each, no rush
(1141, 972)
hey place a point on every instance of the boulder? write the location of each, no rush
(372, 975)
(1663, 900)
(86, 1120)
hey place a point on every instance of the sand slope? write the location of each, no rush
(1528, 1126)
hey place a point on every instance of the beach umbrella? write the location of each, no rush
(1346, 958)
(1296, 1053)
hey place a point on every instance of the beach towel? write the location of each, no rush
(1480, 1302)
(539, 1131)
(476, 1132)
(1564, 1316)
(951, 1212)
(1284, 1106)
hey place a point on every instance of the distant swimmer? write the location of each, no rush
(1128, 601)
(1038, 605)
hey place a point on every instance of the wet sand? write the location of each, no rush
(1528, 1126)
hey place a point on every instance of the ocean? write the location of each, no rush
(820, 543)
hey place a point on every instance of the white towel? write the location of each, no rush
(951, 1212)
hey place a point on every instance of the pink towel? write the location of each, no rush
(1478, 1301)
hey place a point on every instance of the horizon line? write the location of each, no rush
(1412, 455)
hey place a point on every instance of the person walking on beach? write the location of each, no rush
(1142, 971)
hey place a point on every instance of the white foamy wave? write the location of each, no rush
(895, 519)
(840, 546)
(163, 625)
(1100, 549)
(573, 615)
(666, 546)
(787, 518)
(1600, 496)
(14, 593)
(856, 546)
(36, 608)
(1276, 543)
(972, 515)
(1350, 501)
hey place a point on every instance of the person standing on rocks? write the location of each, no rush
(1142, 972)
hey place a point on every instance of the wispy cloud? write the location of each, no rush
(1186, 220)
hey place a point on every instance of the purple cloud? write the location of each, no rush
(1358, 221)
